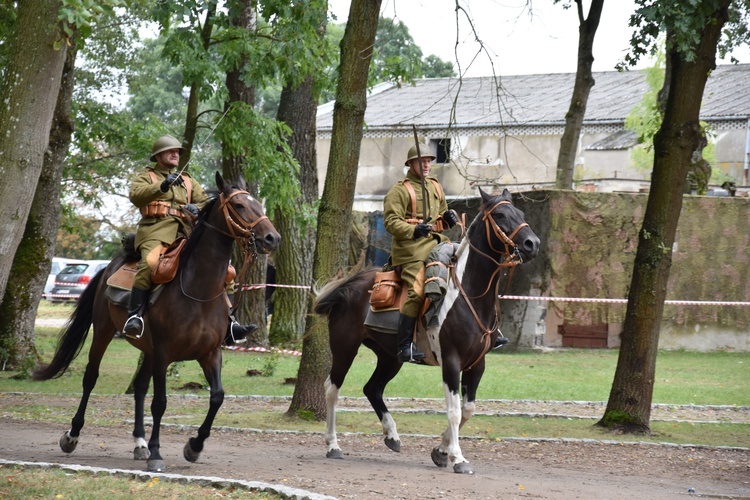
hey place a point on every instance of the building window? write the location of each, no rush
(442, 148)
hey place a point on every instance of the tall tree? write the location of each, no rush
(693, 31)
(298, 109)
(584, 81)
(32, 260)
(331, 250)
(28, 91)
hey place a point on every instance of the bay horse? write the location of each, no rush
(467, 325)
(188, 320)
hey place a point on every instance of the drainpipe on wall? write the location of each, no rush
(747, 152)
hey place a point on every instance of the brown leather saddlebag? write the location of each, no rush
(165, 270)
(385, 290)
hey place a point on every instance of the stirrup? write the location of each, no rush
(414, 355)
(140, 333)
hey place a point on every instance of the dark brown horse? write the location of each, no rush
(187, 321)
(496, 241)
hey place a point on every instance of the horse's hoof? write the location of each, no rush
(141, 453)
(439, 458)
(189, 454)
(67, 443)
(335, 453)
(463, 468)
(155, 466)
(393, 444)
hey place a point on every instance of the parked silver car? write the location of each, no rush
(70, 282)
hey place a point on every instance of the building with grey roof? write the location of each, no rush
(506, 131)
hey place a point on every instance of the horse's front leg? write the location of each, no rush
(155, 462)
(140, 387)
(212, 370)
(459, 410)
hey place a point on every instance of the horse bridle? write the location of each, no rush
(513, 258)
(240, 230)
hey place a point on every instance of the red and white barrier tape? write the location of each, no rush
(557, 299)
(625, 301)
(263, 349)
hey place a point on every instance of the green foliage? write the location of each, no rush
(306, 415)
(268, 160)
(8, 14)
(645, 120)
(685, 20)
(270, 364)
(434, 67)
(79, 15)
(398, 58)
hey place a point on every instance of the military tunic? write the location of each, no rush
(407, 252)
(155, 231)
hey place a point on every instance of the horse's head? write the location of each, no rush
(244, 216)
(506, 229)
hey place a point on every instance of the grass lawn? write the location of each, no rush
(682, 378)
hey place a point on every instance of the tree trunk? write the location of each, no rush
(28, 92)
(251, 304)
(584, 82)
(629, 405)
(32, 261)
(298, 109)
(332, 245)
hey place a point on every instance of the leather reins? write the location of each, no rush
(513, 258)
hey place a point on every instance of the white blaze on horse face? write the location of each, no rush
(433, 333)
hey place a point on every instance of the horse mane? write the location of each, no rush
(198, 229)
(341, 290)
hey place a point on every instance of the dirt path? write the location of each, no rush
(503, 469)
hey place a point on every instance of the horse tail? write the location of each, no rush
(342, 292)
(72, 337)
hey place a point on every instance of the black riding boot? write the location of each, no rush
(500, 341)
(407, 351)
(237, 333)
(134, 325)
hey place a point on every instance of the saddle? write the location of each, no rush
(163, 260)
(389, 293)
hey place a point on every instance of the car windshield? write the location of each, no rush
(75, 269)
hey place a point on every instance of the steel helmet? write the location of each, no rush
(424, 150)
(164, 143)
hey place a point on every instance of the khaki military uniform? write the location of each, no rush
(155, 231)
(407, 252)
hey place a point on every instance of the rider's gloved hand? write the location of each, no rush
(421, 230)
(173, 178)
(193, 209)
(450, 218)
